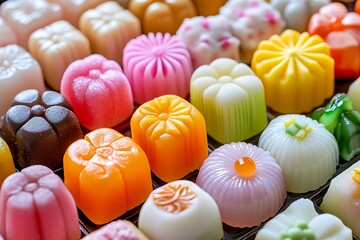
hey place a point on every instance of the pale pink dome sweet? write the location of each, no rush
(157, 64)
(246, 183)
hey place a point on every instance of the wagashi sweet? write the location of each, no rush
(7, 166)
(354, 94)
(7, 34)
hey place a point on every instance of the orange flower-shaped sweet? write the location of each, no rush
(341, 30)
(172, 132)
(107, 173)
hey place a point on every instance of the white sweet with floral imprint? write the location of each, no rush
(246, 183)
(180, 210)
(305, 150)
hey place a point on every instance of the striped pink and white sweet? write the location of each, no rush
(35, 204)
(246, 183)
(157, 64)
(252, 21)
(208, 38)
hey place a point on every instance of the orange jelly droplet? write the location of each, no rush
(245, 167)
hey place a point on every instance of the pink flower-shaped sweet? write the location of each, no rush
(208, 38)
(156, 65)
(98, 91)
(35, 204)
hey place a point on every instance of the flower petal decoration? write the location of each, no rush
(341, 30)
(172, 132)
(297, 71)
(231, 98)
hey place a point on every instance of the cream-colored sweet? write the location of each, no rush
(354, 94)
(24, 17)
(305, 150)
(72, 9)
(7, 34)
(109, 28)
(301, 221)
(180, 210)
(18, 71)
(343, 198)
(55, 47)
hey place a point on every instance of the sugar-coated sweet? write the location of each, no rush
(7, 166)
(343, 198)
(205, 9)
(72, 10)
(7, 34)
(252, 21)
(354, 94)
(163, 16)
(208, 38)
(157, 64)
(252, 186)
(98, 91)
(55, 47)
(180, 210)
(301, 221)
(172, 133)
(340, 29)
(305, 150)
(107, 173)
(231, 98)
(297, 71)
(109, 28)
(24, 17)
(297, 13)
(117, 230)
(18, 71)
(35, 204)
(39, 127)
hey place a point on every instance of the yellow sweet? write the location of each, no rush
(6, 161)
(297, 71)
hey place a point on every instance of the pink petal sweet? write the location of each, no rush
(246, 183)
(25, 17)
(35, 204)
(7, 34)
(156, 65)
(98, 91)
(208, 38)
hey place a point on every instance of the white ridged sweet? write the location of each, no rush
(243, 201)
(307, 164)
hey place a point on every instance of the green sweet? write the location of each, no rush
(300, 231)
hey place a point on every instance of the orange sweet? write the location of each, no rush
(172, 132)
(107, 173)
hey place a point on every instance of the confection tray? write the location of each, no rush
(231, 233)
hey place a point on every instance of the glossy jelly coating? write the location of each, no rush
(251, 22)
(180, 210)
(305, 150)
(39, 127)
(208, 38)
(301, 221)
(18, 71)
(343, 197)
(56, 46)
(107, 173)
(164, 16)
(117, 230)
(157, 64)
(7, 34)
(35, 204)
(98, 91)
(297, 13)
(24, 17)
(340, 29)
(172, 133)
(7, 166)
(231, 98)
(252, 186)
(109, 28)
(297, 71)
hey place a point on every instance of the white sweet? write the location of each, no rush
(305, 150)
(7, 34)
(180, 210)
(297, 13)
(354, 94)
(301, 217)
(343, 198)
